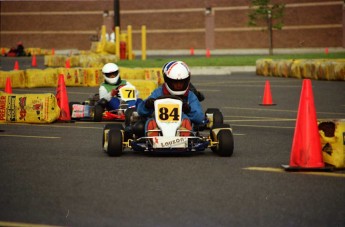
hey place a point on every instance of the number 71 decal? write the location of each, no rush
(127, 94)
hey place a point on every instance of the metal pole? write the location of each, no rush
(129, 42)
(117, 13)
(143, 42)
(117, 41)
(270, 30)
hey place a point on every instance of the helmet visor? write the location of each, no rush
(112, 74)
(177, 85)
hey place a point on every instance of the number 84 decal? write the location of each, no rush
(169, 112)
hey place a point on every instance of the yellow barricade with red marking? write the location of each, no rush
(28, 108)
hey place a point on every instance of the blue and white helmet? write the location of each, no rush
(176, 77)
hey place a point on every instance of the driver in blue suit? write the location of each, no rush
(177, 83)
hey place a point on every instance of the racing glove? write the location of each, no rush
(114, 92)
(185, 108)
(149, 103)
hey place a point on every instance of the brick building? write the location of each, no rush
(199, 24)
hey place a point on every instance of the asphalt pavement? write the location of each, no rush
(57, 174)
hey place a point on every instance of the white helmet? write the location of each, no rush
(176, 77)
(111, 73)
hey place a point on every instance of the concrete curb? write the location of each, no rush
(219, 52)
(221, 70)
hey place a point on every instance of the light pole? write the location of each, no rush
(117, 13)
(269, 22)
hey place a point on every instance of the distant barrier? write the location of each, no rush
(145, 79)
(317, 69)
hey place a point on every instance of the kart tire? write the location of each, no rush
(225, 146)
(98, 113)
(128, 115)
(217, 115)
(115, 147)
(110, 126)
(218, 126)
(212, 110)
(218, 118)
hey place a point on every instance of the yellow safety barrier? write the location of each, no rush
(92, 76)
(339, 70)
(55, 60)
(109, 47)
(17, 78)
(41, 78)
(73, 77)
(295, 71)
(89, 76)
(145, 87)
(132, 73)
(96, 47)
(28, 108)
(284, 68)
(87, 60)
(318, 69)
(154, 74)
(263, 67)
(332, 134)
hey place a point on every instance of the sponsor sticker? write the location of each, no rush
(170, 142)
(11, 108)
(2, 108)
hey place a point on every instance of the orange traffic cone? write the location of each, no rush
(62, 100)
(306, 152)
(267, 98)
(16, 66)
(33, 61)
(3, 52)
(53, 51)
(68, 63)
(208, 53)
(192, 51)
(8, 88)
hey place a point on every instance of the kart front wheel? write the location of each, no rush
(225, 146)
(115, 147)
(108, 127)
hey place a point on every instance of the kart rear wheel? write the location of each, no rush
(217, 118)
(212, 110)
(217, 115)
(98, 113)
(115, 147)
(128, 115)
(225, 146)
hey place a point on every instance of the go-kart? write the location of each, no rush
(168, 116)
(95, 109)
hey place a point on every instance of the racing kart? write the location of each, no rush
(168, 116)
(95, 109)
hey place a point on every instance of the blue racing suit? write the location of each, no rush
(196, 114)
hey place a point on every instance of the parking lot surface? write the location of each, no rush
(57, 174)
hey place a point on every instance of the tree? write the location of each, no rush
(263, 10)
